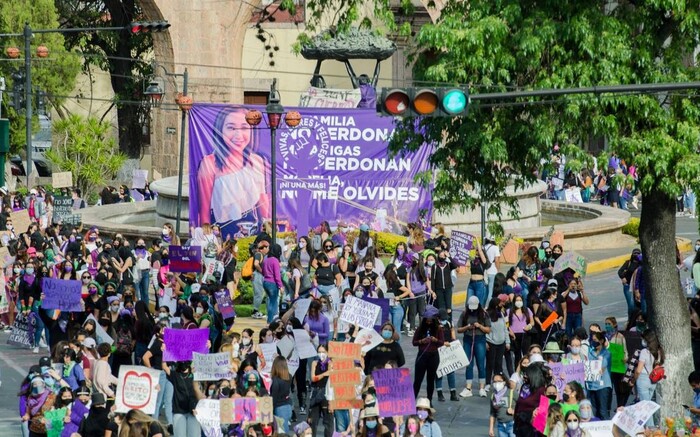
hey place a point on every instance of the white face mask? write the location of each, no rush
(163, 315)
(199, 310)
(165, 231)
(520, 273)
(245, 341)
(472, 308)
(573, 426)
(575, 350)
(431, 263)
(322, 356)
(518, 303)
(498, 386)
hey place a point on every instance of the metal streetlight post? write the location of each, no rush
(28, 96)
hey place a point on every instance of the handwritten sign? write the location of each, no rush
(452, 358)
(632, 419)
(330, 98)
(360, 313)
(138, 179)
(212, 268)
(602, 428)
(269, 351)
(303, 344)
(181, 343)
(22, 334)
(63, 211)
(100, 333)
(61, 294)
(185, 259)
(245, 410)
(593, 370)
(460, 245)
(617, 358)
(20, 220)
(346, 404)
(208, 415)
(265, 410)
(385, 310)
(565, 373)
(225, 304)
(63, 179)
(394, 392)
(301, 307)
(136, 389)
(368, 338)
(539, 421)
(212, 367)
(573, 261)
(351, 376)
(337, 349)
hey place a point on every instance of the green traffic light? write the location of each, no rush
(454, 102)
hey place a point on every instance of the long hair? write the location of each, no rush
(280, 369)
(654, 347)
(493, 310)
(219, 145)
(363, 240)
(141, 421)
(418, 271)
(554, 416)
(392, 279)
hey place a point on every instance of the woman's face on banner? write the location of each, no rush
(236, 131)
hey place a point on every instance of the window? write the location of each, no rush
(255, 97)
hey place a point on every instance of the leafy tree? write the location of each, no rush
(87, 149)
(119, 53)
(506, 45)
(55, 74)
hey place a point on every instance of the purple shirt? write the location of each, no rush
(518, 323)
(320, 326)
(271, 271)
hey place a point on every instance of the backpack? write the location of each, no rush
(247, 272)
(657, 374)
(123, 345)
(210, 250)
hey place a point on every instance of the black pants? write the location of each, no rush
(427, 362)
(494, 360)
(622, 389)
(300, 381)
(519, 346)
(328, 423)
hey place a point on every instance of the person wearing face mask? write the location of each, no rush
(586, 411)
(571, 396)
(153, 358)
(600, 392)
(520, 323)
(428, 338)
(441, 280)
(371, 426)
(318, 404)
(575, 354)
(30, 298)
(573, 425)
(412, 427)
(39, 401)
(388, 350)
(97, 420)
(304, 253)
(419, 281)
(168, 236)
(316, 323)
(248, 350)
(621, 389)
(502, 409)
(652, 355)
(575, 298)
(474, 323)
(77, 409)
(625, 274)
(450, 336)
(400, 289)
(551, 303)
(185, 398)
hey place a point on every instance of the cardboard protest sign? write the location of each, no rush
(384, 313)
(226, 411)
(337, 349)
(245, 410)
(346, 404)
(63, 179)
(617, 358)
(550, 320)
(394, 392)
(303, 344)
(265, 410)
(22, 334)
(452, 358)
(181, 343)
(212, 367)
(208, 415)
(602, 428)
(368, 338)
(632, 419)
(351, 376)
(100, 333)
(565, 373)
(593, 370)
(225, 304)
(138, 179)
(460, 245)
(63, 211)
(136, 389)
(358, 312)
(61, 294)
(185, 259)
(301, 307)
(539, 421)
(20, 220)
(573, 261)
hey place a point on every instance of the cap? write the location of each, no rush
(503, 297)
(364, 227)
(473, 303)
(300, 428)
(552, 283)
(425, 404)
(98, 399)
(430, 312)
(536, 358)
(83, 390)
(90, 343)
(33, 191)
(195, 288)
(31, 251)
(45, 362)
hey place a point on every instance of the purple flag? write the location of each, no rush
(180, 343)
(185, 259)
(394, 392)
(334, 166)
(61, 294)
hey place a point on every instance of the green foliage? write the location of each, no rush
(245, 290)
(55, 74)
(246, 310)
(85, 147)
(632, 228)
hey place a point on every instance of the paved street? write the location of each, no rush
(454, 417)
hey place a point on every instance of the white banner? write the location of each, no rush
(452, 358)
(602, 428)
(303, 344)
(137, 389)
(358, 312)
(632, 419)
(212, 367)
(330, 98)
(209, 417)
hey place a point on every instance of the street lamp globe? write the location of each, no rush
(253, 117)
(154, 93)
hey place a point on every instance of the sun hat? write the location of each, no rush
(424, 403)
(369, 412)
(552, 347)
(536, 358)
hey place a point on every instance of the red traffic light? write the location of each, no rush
(138, 27)
(396, 102)
(424, 102)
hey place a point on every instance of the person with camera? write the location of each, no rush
(575, 298)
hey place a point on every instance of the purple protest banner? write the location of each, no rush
(225, 304)
(460, 245)
(334, 166)
(394, 392)
(180, 343)
(61, 294)
(185, 259)
(562, 374)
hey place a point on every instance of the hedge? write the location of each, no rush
(632, 228)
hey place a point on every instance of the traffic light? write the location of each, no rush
(18, 90)
(138, 27)
(424, 102)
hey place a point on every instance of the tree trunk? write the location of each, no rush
(666, 304)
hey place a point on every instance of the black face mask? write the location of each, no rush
(279, 335)
(565, 397)
(552, 397)
(226, 392)
(556, 255)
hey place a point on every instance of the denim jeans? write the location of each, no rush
(505, 429)
(164, 399)
(479, 356)
(573, 321)
(478, 288)
(40, 327)
(396, 318)
(284, 412)
(186, 425)
(491, 279)
(451, 383)
(342, 420)
(142, 286)
(600, 402)
(258, 290)
(273, 296)
(629, 299)
(645, 390)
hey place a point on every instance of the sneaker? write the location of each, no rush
(8, 329)
(302, 410)
(482, 393)
(466, 393)
(35, 350)
(257, 315)
(410, 333)
(441, 397)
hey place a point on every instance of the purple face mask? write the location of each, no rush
(68, 268)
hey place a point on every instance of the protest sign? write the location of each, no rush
(62, 179)
(573, 261)
(339, 377)
(301, 307)
(303, 343)
(293, 363)
(565, 373)
(225, 304)
(212, 367)
(138, 179)
(4, 303)
(460, 245)
(602, 428)
(539, 421)
(63, 211)
(573, 195)
(269, 351)
(185, 259)
(345, 391)
(20, 220)
(245, 410)
(100, 333)
(214, 269)
(617, 358)
(593, 370)
(550, 320)
(208, 415)
(360, 313)
(22, 334)
(330, 98)
(337, 349)
(265, 410)
(54, 419)
(632, 419)
(181, 343)
(341, 364)
(167, 299)
(394, 389)
(136, 389)
(385, 310)
(226, 411)
(368, 338)
(346, 404)
(452, 358)
(61, 294)
(286, 346)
